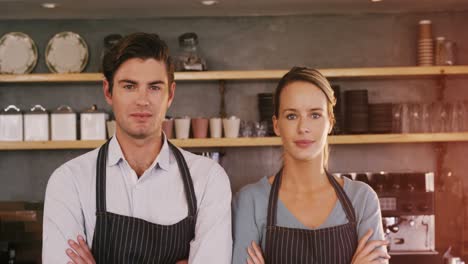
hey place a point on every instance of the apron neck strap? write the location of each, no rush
(101, 178)
(274, 194)
(187, 179)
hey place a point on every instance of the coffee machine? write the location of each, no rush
(408, 214)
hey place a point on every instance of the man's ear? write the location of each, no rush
(171, 91)
(106, 88)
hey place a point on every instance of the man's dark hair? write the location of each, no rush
(137, 45)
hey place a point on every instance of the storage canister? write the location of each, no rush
(11, 124)
(63, 123)
(36, 124)
(93, 124)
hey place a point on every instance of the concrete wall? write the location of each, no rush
(257, 43)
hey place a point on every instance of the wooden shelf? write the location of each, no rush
(414, 71)
(19, 216)
(248, 142)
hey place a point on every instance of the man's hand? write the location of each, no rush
(80, 253)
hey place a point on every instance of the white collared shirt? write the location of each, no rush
(158, 196)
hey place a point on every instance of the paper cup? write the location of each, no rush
(216, 127)
(200, 127)
(231, 127)
(168, 128)
(182, 127)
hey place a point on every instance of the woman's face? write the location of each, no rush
(303, 122)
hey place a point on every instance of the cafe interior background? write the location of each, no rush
(404, 129)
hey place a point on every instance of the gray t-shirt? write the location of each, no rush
(250, 215)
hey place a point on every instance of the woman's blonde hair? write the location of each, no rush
(314, 77)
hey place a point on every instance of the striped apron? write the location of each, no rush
(333, 245)
(123, 239)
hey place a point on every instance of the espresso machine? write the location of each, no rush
(408, 214)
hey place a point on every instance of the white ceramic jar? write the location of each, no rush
(36, 124)
(63, 123)
(11, 124)
(93, 124)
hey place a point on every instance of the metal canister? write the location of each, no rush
(439, 51)
(450, 50)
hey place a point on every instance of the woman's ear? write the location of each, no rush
(330, 129)
(275, 126)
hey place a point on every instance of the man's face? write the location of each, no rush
(140, 97)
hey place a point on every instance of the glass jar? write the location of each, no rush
(188, 58)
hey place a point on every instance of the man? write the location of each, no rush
(138, 199)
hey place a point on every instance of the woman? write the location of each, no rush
(303, 214)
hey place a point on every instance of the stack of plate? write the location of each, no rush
(18, 53)
(338, 111)
(265, 106)
(357, 112)
(66, 52)
(380, 118)
(425, 44)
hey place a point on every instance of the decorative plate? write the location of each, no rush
(18, 53)
(66, 52)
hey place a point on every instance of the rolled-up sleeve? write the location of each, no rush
(213, 231)
(245, 229)
(371, 218)
(63, 217)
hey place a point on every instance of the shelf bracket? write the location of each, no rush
(442, 85)
(441, 148)
(222, 93)
(441, 170)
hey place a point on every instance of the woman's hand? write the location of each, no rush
(255, 254)
(80, 253)
(368, 252)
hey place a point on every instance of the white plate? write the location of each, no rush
(66, 52)
(18, 53)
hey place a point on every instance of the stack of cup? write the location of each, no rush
(357, 112)
(338, 128)
(380, 118)
(439, 51)
(266, 109)
(425, 44)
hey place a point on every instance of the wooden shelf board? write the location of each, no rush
(37, 145)
(398, 138)
(249, 142)
(251, 74)
(19, 216)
